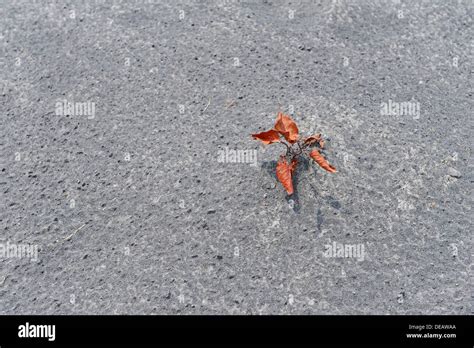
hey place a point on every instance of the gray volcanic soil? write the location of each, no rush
(133, 212)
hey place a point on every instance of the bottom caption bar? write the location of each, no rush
(447, 331)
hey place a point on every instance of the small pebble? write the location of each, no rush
(454, 173)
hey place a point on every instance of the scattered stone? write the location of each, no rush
(454, 173)
(270, 186)
(291, 204)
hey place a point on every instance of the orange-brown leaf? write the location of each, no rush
(268, 137)
(316, 138)
(287, 127)
(283, 172)
(322, 161)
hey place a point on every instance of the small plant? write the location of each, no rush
(286, 129)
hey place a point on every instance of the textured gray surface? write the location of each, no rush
(166, 228)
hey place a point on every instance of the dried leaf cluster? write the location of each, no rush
(285, 131)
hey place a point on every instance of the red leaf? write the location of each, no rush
(268, 137)
(287, 127)
(316, 138)
(322, 161)
(283, 172)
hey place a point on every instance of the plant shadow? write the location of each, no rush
(293, 200)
